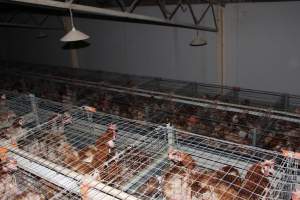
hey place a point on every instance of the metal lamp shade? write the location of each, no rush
(198, 41)
(74, 35)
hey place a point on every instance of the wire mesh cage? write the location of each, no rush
(129, 159)
(204, 168)
(198, 90)
(19, 184)
(255, 98)
(72, 146)
(294, 103)
(259, 128)
(234, 95)
(21, 112)
(162, 85)
(262, 131)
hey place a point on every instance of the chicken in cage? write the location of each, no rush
(204, 168)
(18, 184)
(242, 128)
(6, 115)
(147, 161)
(102, 148)
(189, 89)
(11, 126)
(21, 112)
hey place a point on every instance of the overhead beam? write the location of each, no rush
(112, 13)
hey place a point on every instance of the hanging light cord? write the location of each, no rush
(71, 13)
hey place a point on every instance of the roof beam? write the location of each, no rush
(112, 13)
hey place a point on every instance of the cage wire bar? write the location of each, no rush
(140, 154)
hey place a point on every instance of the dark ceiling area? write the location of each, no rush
(111, 3)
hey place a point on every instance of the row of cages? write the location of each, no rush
(264, 129)
(68, 152)
(235, 95)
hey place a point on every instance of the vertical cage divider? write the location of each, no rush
(254, 136)
(34, 107)
(171, 135)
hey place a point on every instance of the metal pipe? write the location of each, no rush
(112, 13)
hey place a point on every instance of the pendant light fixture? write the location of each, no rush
(74, 34)
(198, 41)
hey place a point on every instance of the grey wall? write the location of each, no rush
(261, 48)
(124, 47)
(148, 50)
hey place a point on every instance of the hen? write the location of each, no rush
(15, 131)
(256, 184)
(93, 156)
(112, 173)
(177, 181)
(6, 115)
(108, 137)
(8, 185)
(226, 183)
(6, 119)
(150, 188)
(29, 195)
(59, 121)
(221, 184)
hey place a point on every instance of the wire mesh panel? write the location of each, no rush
(291, 179)
(255, 98)
(198, 90)
(242, 128)
(129, 159)
(162, 85)
(197, 167)
(189, 89)
(258, 129)
(19, 184)
(294, 103)
(21, 112)
(123, 80)
(89, 145)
